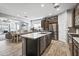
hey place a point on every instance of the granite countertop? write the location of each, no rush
(76, 38)
(35, 35)
(74, 34)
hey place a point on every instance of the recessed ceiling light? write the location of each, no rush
(56, 4)
(58, 9)
(18, 15)
(50, 14)
(42, 5)
(24, 12)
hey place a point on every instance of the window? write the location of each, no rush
(36, 24)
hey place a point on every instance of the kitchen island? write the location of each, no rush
(34, 44)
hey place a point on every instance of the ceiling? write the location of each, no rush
(31, 11)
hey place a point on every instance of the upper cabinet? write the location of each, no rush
(77, 10)
(77, 16)
(45, 23)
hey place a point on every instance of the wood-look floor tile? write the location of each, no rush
(56, 48)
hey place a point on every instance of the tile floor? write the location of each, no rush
(56, 48)
(10, 49)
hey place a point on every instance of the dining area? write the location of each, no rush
(15, 36)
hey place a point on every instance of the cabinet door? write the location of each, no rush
(76, 11)
(75, 51)
(77, 16)
(76, 48)
(43, 24)
(42, 44)
(46, 25)
(47, 41)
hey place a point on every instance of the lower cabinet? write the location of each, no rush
(35, 47)
(75, 48)
(48, 40)
(42, 44)
(70, 43)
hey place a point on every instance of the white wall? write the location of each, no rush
(62, 22)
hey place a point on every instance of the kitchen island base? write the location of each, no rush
(36, 46)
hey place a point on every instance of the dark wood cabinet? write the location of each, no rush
(32, 47)
(77, 10)
(77, 16)
(42, 44)
(51, 24)
(47, 25)
(70, 43)
(43, 24)
(73, 45)
(48, 40)
(75, 48)
(36, 47)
